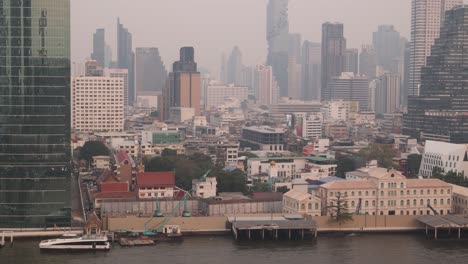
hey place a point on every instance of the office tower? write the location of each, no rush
(406, 74)
(278, 42)
(294, 79)
(248, 78)
(388, 94)
(150, 73)
(264, 84)
(92, 68)
(350, 87)
(183, 87)
(35, 148)
(99, 47)
(387, 44)
(352, 61)
(333, 55)
(440, 112)
(294, 47)
(426, 18)
(234, 67)
(119, 73)
(126, 58)
(223, 69)
(107, 56)
(311, 67)
(368, 61)
(97, 104)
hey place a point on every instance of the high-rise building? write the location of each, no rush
(294, 79)
(311, 67)
(223, 69)
(350, 87)
(217, 94)
(126, 58)
(264, 85)
(368, 61)
(234, 67)
(278, 42)
(92, 68)
(99, 47)
(107, 56)
(35, 147)
(440, 112)
(97, 104)
(352, 61)
(387, 43)
(388, 94)
(150, 73)
(426, 18)
(294, 47)
(183, 87)
(119, 73)
(333, 54)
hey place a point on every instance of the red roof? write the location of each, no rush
(124, 158)
(115, 195)
(267, 195)
(156, 179)
(114, 187)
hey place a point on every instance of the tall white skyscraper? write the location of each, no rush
(426, 18)
(264, 84)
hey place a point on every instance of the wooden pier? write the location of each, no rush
(274, 228)
(444, 222)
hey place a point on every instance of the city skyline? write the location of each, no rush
(199, 32)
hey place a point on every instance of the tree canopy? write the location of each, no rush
(93, 148)
(348, 163)
(414, 162)
(384, 154)
(450, 177)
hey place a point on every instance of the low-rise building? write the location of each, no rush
(297, 202)
(263, 138)
(101, 162)
(389, 194)
(460, 200)
(155, 184)
(204, 188)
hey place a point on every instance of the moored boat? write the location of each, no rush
(75, 242)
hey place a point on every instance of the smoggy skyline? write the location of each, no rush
(215, 26)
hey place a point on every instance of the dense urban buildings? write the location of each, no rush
(311, 70)
(350, 87)
(183, 88)
(126, 58)
(97, 104)
(441, 109)
(216, 95)
(35, 117)
(333, 55)
(150, 73)
(99, 47)
(368, 61)
(278, 42)
(427, 16)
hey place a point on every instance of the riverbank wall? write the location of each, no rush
(213, 225)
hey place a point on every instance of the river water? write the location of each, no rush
(353, 249)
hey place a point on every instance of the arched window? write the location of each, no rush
(402, 185)
(402, 203)
(360, 193)
(442, 191)
(428, 201)
(381, 203)
(421, 202)
(367, 193)
(448, 201)
(441, 201)
(352, 193)
(421, 192)
(414, 202)
(435, 201)
(381, 193)
(316, 206)
(302, 206)
(310, 206)
(352, 204)
(435, 192)
(373, 203)
(367, 203)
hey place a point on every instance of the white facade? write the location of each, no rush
(119, 73)
(297, 202)
(217, 94)
(426, 19)
(447, 156)
(97, 104)
(152, 193)
(264, 85)
(388, 94)
(205, 189)
(340, 110)
(181, 114)
(312, 126)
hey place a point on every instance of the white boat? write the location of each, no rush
(75, 242)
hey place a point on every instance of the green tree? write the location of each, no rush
(384, 154)
(339, 211)
(168, 152)
(414, 162)
(93, 148)
(348, 163)
(234, 181)
(282, 189)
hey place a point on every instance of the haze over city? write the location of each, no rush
(215, 26)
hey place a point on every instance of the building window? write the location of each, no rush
(367, 193)
(381, 203)
(441, 201)
(402, 203)
(367, 203)
(310, 206)
(373, 203)
(421, 202)
(316, 206)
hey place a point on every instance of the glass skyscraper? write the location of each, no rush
(35, 149)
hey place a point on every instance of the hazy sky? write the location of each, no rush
(215, 26)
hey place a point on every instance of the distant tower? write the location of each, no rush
(311, 68)
(352, 61)
(99, 47)
(183, 88)
(368, 61)
(150, 73)
(333, 54)
(126, 57)
(234, 67)
(278, 42)
(388, 46)
(264, 85)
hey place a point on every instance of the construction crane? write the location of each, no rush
(432, 209)
(185, 213)
(359, 206)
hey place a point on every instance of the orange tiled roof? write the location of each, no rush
(350, 185)
(426, 183)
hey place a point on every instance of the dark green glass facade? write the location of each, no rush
(35, 153)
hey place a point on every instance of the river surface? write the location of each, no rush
(362, 249)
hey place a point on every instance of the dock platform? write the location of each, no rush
(444, 222)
